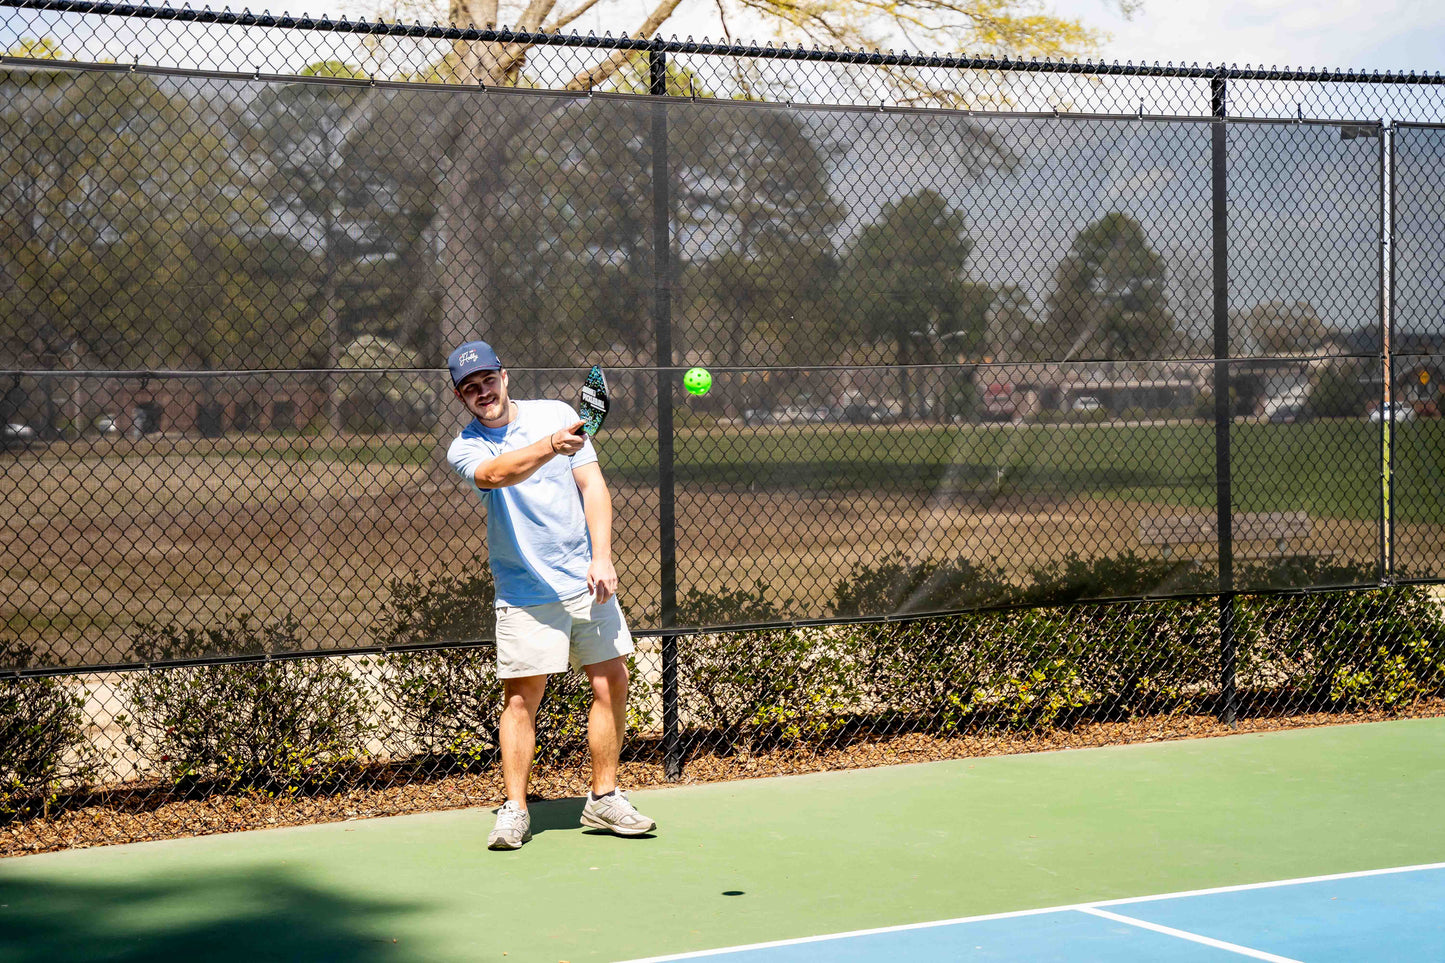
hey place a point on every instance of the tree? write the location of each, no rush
(1342, 389)
(1012, 330)
(1108, 300)
(125, 218)
(909, 266)
(348, 187)
(1286, 328)
(478, 145)
(981, 27)
(759, 210)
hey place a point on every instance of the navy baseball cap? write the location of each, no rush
(470, 358)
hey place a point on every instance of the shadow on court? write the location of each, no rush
(566, 814)
(554, 814)
(239, 916)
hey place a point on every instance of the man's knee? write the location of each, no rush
(523, 695)
(609, 678)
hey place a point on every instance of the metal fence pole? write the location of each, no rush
(1387, 347)
(1223, 413)
(662, 311)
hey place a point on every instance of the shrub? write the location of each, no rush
(756, 687)
(1376, 649)
(278, 727)
(1073, 578)
(1139, 657)
(449, 607)
(1302, 571)
(896, 585)
(43, 743)
(1342, 391)
(445, 700)
(1028, 675)
(1038, 696)
(926, 669)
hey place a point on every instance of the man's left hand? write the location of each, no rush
(601, 579)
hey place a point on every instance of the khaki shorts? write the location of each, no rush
(544, 639)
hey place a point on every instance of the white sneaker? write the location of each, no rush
(616, 814)
(514, 827)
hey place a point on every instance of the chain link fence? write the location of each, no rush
(1052, 404)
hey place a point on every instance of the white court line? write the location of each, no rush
(1191, 937)
(700, 954)
(1358, 874)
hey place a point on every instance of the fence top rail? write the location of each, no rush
(227, 17)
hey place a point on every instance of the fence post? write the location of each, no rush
(1223, 414)
(662, 316)
(1387, 348)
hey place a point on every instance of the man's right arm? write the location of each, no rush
(514, 467)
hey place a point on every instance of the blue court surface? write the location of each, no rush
(1367, 917)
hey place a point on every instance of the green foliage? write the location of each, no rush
(1302, 571)
(1073, 577)
(1389, 682)
(928, 668)
(1109, 299)
(278, 727)
(914, 256)
(1142, 657)
(448, 702)
(1044, 666)
(1342, 391)
(456, 606)
(1375, 649)
(749, 688)
(445, 702)
(43, 743)
(1036, 696)
(897, 585)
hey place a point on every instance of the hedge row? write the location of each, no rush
(294, 726)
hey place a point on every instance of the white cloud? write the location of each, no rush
(1374, 34)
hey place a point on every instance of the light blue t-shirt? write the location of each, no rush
(537, 539)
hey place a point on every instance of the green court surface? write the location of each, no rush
(746, 862)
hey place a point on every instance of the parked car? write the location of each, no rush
(15, 431)
(1087, 403)
(758, 416)
(803, 414)
(1398, 411)
(1000, 402)
(1287, 414)
(862, 413)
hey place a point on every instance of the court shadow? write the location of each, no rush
(550, 814)
(256, 915)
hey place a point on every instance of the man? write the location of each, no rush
(549, 542)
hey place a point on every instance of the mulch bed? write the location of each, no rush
(148, 811)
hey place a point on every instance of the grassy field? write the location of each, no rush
(1328, 468)
(100, 536)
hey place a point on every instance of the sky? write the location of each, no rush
(1400, 35)
(1373, 34)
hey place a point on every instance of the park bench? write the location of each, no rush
(1250, 530)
